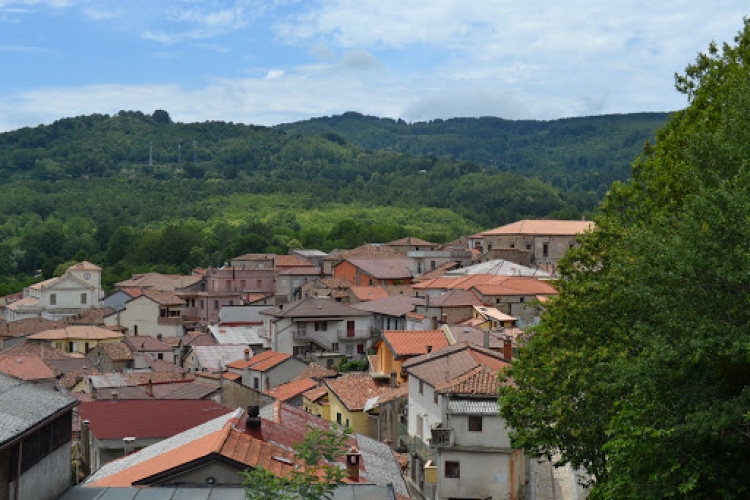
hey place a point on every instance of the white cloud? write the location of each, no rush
(274, 73)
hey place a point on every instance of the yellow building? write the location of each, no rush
(396, 346)
(315, 401)
(78, 339)
(347, 396)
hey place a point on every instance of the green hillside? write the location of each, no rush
(135, 192)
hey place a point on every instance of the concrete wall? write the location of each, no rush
(46, 480)
(358, 421)
(143, 313)
(281, 374)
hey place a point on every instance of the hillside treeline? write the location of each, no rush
(136, 191)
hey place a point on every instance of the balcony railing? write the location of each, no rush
(414, 444)
(441, 438)
(313, 336)
(354, 334)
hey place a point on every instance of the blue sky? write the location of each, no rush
(266, 62)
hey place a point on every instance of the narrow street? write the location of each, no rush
(547, 482)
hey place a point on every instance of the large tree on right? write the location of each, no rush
(639, 371)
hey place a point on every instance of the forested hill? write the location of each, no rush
(589, 151)
(137, 191)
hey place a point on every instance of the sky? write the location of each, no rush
(266, 62)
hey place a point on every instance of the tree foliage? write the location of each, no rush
(316, 475)
(640, 370)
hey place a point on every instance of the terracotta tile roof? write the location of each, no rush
(372, 361)
(410, 240)
(316, 372)
(42, 284)
(292, 261)
(397, 268)
(231, 376)
(147, 418)
(27, 326)
(116, 351)
(19, 304)
(90, 317)
(255, 297)
(396, 305)
(193, 390)
(392, 393)
(493, 313)
(404, 343)
(499, 285)
(85, 265)
(315, 393)
(172, 341)
(39, 349)
(141, 378)
(201, 339)
(25, 367)
(261, 362)
(159, 365)
(291, 389)
(354, 389)
(156, 281)
(300, 271)
(369, 251)
(365, 293)
(232, 444)
(543, 227)
(164, 298)
(415, 316)
(145, 343)
(77, 332)
(481, 381)
(450, 362)
(78, 365)
(455, 298)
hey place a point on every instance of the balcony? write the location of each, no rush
(441, 438)
(354, 334)
(313, 336)
(413, 444)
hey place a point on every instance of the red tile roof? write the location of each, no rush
(316, 372)
(411, 241)
(260, 362)
(145, 343)
(354, 389)
(40, 349)
(26, 326)
(481, 381)
(365, 293)
(453, 361)
(383, 268)
(82, 332)
(291, 389)
(315, 393)
(116, 351)
(147, 418)
(413, 342)
(542, 227)
(25, 367)
(292, 261)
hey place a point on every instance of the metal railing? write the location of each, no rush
(354, 334)
(313, 336)
(414, 444)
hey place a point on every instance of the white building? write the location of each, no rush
(313, 325)
(156, 314)
(459, 445)
(76, 291)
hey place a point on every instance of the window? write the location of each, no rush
(435, 397)
(360, 348)
(522, 299)
(545, 250)
(243, 284)
(349, 349)
(160, 355)
(421, 387)
(53, 299)
(259, 283)
(475, 423)
(298, 350)
(452, 469)
(228, 284)
(256, 383)
(87, 347)
(231, 302)
(432, 264)
(347, 423)
(321, 326)
(84, 298)
(335, 347)
(338, 418)
(135, 329)
(216, 304)
(528, 247)
(202, 304)
(512, 245)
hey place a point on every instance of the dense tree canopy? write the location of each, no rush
(640, 370)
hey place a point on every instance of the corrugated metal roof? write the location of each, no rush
(473, 406)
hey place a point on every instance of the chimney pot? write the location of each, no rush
(508, 348)
(352, 464)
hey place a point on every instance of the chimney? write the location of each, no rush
(444, 318)
(150, 388)
(507, 348)
(352, 464)
(394, 379)
(115, 395)
(486, 343)
(247, 354)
